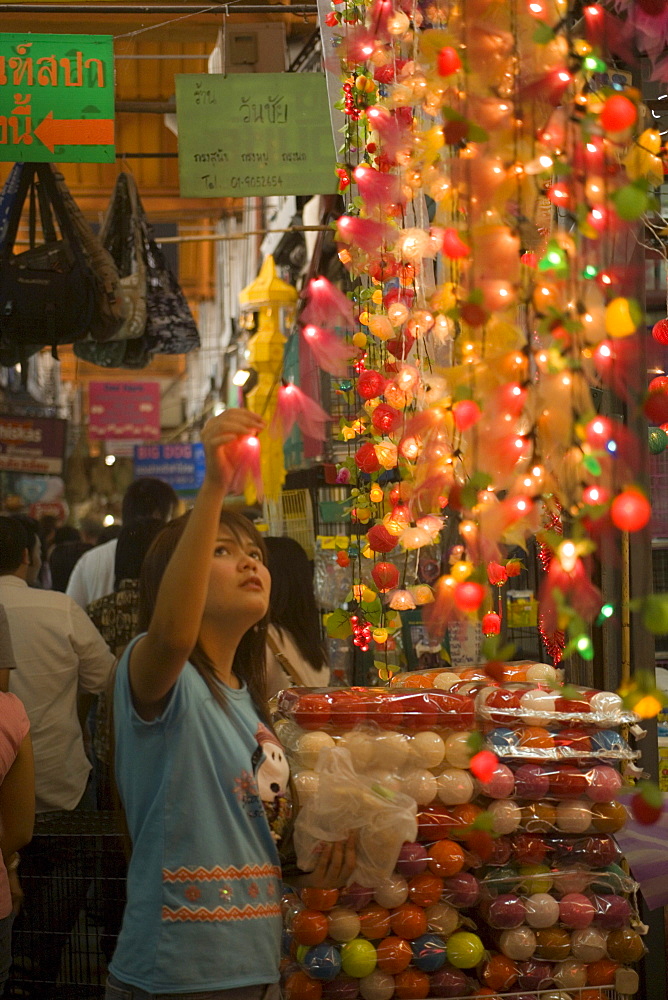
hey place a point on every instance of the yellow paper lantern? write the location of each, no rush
(619, 319)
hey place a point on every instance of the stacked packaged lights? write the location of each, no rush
(541, 905)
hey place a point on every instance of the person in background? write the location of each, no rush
(63, 557)
(7, 661)
(296, 652)
(17, 814)
(93, 575)
(116, 616)
(61, 659)
(190, 726)
(91, 529)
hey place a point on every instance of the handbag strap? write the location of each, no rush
(289, 667)
(45, 174)
(27, 177)
(48, 228)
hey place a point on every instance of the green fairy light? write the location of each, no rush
(589, 271)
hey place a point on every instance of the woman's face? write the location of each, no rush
(239, 583)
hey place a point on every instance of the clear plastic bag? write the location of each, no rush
(345, 801)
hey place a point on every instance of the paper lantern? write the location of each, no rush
(385, 418)
(491, 623)
(466, 413)
(370, 384)
(657, 440)
(366, 459)
(385, 575)
(380, 539)
(469, 595)
(453, 245)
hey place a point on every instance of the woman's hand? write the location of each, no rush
(336, 863)
(219, 437)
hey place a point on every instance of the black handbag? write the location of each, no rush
(48, 292)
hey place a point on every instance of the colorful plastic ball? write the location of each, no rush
(309, 746)
(503, 738)
(533, 975)
(542, 910)
(499, 972)
(518, 944)
(609, 817)
(425, 890)
(411, 984)
(606, 703)
(529, 848)
(458, 752)
(319, 899)
(394, 955)
(604, 783)
(541, 672)
(588, 945)
(377, 986)
(343, 924)
(507, 910)
(625, 945)
(538, 702)
(576, 911)
(535, 878)
(600, 851)
(341, 988)
(461, 890)
(611, 912)
(309, 927)
(573, 817)
(420, 785)
(428, 952)
(428, 748)
(536, 737)
(577, 740)
(500, 785)
(442, 919)
(501, 850)
(323, 962)
(539, 817)
(435, 822)
(299, 986)
(571, 881)
(568, 782)
(408, 921)
(374, 922)
(455, 786)
(602, 973)
(449, 982)
(358, 958)
(412, 859)
(570, 974)
(445, 858)
(464, 950)
(553, 944)
(355, 896)
(391, 892)
(531, 782)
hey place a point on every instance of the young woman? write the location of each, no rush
(192, 743)
(295, 650)
(17, 815)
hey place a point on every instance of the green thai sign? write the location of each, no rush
(254, 134)
(57, 98)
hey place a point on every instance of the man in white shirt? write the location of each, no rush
(93, 575)
(59, 654)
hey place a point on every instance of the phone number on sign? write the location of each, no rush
(257, 180)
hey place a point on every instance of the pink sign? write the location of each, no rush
(122, 410)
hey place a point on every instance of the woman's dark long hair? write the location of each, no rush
(292, 606)
(249, 659)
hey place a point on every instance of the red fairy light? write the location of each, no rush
(618, 113)
(447, 61)
(660, 331)
(367, 234)
(366, 458)
(466, 413)
(659, 384)
(293, 405)
(454, 246)
(327, 306)
(377, 189)
(385, 575)
(483, 765)
(630, 510)
(380, 539)
(330, 352)
(559, 194)
(385, 418)
(469, 595)
(245, 456)
(594, 23)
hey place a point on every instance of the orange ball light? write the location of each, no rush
(630, 510)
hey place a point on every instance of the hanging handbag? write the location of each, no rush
(121, 236)
(47, 293)
(170, 327)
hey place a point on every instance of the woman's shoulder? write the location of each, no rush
(13, 715)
